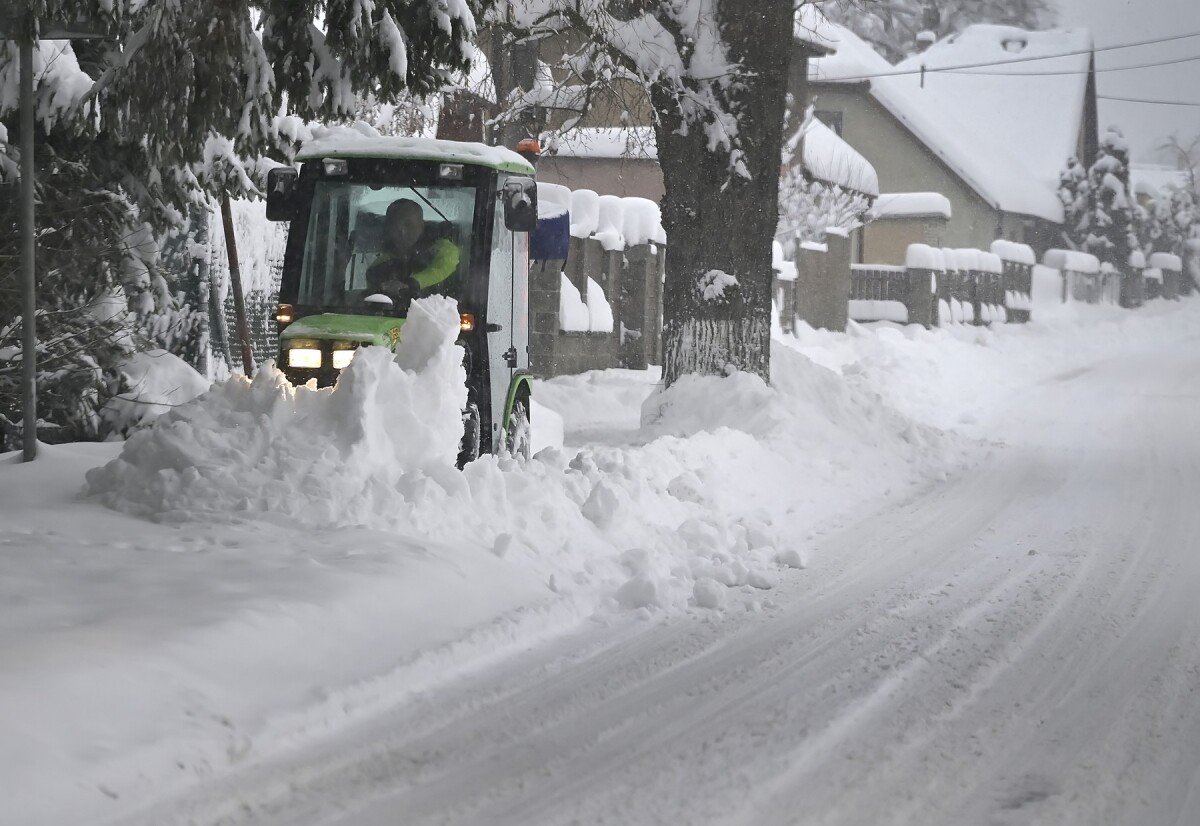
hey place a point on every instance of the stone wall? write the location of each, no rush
(632, 283)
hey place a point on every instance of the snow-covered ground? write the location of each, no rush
(993, 624)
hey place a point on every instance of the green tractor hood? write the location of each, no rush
(382, 331)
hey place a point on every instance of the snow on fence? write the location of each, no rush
(595, 288)
(1084, 278)
(879, 293)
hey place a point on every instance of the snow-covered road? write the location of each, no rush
(1017, 644)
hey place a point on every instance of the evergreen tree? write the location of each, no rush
(1075, 194)
(151, 121)
(1111, 234)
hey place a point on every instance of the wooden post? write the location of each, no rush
(235, 283)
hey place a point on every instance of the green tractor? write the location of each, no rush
(377, 222)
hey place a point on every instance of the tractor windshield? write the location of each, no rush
(364, 239)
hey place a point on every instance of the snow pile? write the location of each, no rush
(158, 381)
(316, 457)
(1137, 260)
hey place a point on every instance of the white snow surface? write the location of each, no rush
(1072, 260)
(347, 142)
(598, 632)
(1166, 261)
(911, 205)
(1012, 251)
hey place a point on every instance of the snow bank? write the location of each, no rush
(1137, 260)
(315, 457)
(1012, 251)
(158, 381)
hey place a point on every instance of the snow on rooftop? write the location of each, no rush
(830, 159)
(346, 142)
(911, 205)
(975, 120)
(853, 59)
(629, 143)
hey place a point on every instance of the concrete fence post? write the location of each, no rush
(823, 283)
(921, 296)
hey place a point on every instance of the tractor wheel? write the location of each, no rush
(520, 434)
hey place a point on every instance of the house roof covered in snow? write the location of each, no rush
(826, 156)
(1006, 130)
(830, 159)
(912, 205)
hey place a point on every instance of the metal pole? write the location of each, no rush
(235, 283)
(28, 270)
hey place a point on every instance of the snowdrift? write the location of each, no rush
(315, 457)
(719, 490)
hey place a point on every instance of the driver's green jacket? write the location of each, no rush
(437, 262)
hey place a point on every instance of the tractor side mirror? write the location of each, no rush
(281, 187)
(520, 204)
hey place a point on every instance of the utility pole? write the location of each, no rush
(28, 267)
(28, 33)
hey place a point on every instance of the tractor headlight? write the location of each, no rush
(341, 359)
(305, 357)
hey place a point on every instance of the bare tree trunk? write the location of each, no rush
(716, 219)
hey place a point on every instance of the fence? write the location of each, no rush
(934, 287)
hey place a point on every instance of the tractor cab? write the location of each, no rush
(375, 223)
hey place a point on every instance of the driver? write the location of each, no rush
(412, 264)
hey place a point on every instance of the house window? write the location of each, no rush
(831, 119)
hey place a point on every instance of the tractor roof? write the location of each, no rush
(351, 144)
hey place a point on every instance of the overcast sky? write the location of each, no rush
(1114, 22)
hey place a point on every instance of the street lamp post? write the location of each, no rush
(73, 31)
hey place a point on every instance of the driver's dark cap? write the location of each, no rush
(403, 205)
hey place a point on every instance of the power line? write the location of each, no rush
(1155, 102)
(1016, 60)
(1073, 71)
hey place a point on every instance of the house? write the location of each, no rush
(612, 149)
(987, 118)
